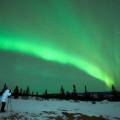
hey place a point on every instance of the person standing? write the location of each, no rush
(4, 98)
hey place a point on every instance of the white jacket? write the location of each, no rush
(5, 95)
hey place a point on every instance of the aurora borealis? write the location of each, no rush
(79, 37)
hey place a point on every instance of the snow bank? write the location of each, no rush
(104, 108)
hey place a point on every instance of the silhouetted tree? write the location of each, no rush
(114, 92)
(5, 86)
(21, 92)
(74, 90)
(86, 94)
(85, 89)
(16, 92)
(27, 91)
(113, 89)
(3, 89)
(46, 92)
(62, 91)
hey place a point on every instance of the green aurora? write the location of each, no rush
(76, 33)
(49, 53)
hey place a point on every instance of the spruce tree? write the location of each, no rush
(16, 92)
(27, 91)
(3, 89)
(21, 92)
(62, 91)
(46, 92)
(86, 91)
(114, 91)
(74, 89)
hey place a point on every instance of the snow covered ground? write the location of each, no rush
(60, 110)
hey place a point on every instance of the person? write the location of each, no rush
(4, 98)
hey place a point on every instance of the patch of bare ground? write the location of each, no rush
(77, 116)
(53, 116)
(117, 118)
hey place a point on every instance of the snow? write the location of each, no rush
(43, 108)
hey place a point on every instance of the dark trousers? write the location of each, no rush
(3, 107)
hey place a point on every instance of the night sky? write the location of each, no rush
(48, 43)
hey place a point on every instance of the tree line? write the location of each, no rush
(113, 95)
